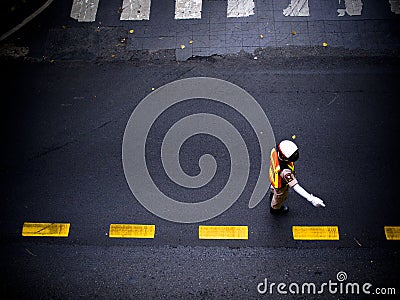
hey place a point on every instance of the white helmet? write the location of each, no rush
(288, 151)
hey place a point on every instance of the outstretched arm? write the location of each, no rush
(309, 197)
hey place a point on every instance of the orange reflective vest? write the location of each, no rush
(275, 169)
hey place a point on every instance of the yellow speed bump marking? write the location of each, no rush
(223, 232)
(46, 229)
(135, 231)
(315, 233)
(392, 233)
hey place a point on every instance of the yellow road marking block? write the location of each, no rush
(136, 231)
(315, 233)
(223, 232)
(392, 233)
(46, 229)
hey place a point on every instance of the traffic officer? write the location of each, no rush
(282, 177)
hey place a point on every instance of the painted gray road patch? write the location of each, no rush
(151, 107)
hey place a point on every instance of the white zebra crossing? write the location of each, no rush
(395, 6)
(353, 8)
(240, 8)
(86, 10)
(297, 8)
(188, 9)
(135, 10)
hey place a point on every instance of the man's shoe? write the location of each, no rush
(283, 210)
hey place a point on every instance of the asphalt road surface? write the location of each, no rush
(75, 78)
(62, 132)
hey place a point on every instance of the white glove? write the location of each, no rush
(310, 197)
(316, 201)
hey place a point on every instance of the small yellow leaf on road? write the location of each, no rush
(131, 31)
(183, 46)
(325, 44)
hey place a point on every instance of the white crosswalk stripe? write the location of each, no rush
(395, 6)
(135, 10)
(297, 8)
(353, 8)
(84, 10)
(188, 9)
(240, 8)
